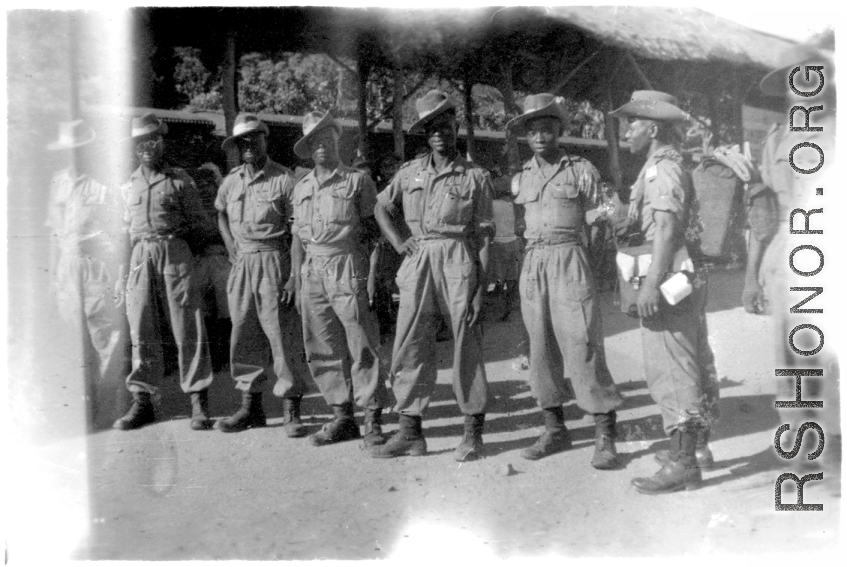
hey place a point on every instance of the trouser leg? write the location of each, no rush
(413, 370)
(706, 359)
(324, 340)
(141, 310)
(350, 304)
(669, 340)
(546, 368)
(249, 351)
(280, 325)
(186, 318)
(575, 314)
(454, 285)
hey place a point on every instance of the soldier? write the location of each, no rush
(333, 224)
(446, 202)
(212, 270)
(88, 248)
(677, 357)
(559, 299)
(163, 209)
(797, 192)
(254, 208)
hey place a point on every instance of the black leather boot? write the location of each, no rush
(471, 447)
(249, 415)
(703, 454)
(555, 438)
(605, 454)
(342, 428)
(373, 428)
(200, 411)
(681, 470)
(407, 440)
(140, 413)
(291, 422)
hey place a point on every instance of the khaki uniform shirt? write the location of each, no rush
(453, 203)
(331, 212)
(258, 209)
(166, 205)
(554, 204)
(663, 184)
(84, 214)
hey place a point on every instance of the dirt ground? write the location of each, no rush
(168, 493)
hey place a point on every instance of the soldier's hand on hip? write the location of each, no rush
(648, 301)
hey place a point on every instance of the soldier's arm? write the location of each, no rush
(385, 205)
(483, 230)
(664, 246)
(296, 264)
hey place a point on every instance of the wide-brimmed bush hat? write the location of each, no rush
(429, 107)
(147, 124)
(540, 105)
(313, 123)
(244, 124)
(73, 134)
(653, 105)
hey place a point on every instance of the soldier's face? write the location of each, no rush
(253, 147)
(639, 133)
(542, 134)
(150, 150)
(324, 147)
(441, 134)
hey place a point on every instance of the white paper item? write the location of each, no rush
(676, 288)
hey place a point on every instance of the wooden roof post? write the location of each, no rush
(610, 132)
(229, 92)
(469, 116)
(397, 113)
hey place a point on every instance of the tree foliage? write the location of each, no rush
(296, 83)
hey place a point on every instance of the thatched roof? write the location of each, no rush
(680, 34)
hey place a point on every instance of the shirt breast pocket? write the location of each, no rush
(135, 203)
(235, 206)
(342, 206)
(164, 198)
(561, 190)
(412, 202)
(269, 206)
(457, 207)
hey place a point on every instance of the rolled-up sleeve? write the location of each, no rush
(666, 191)
(223, 195)
(392, 196)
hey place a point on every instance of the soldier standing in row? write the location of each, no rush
(254, 208)
(88, 248)
(559, 299)
(333, 224)
(678, 360)
(163, 209)
(446, 202)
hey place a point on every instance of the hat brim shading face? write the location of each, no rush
(651, 110)
(301, 148)
(419, 127)
(552, 110)
(259, 127)
(149, 129)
